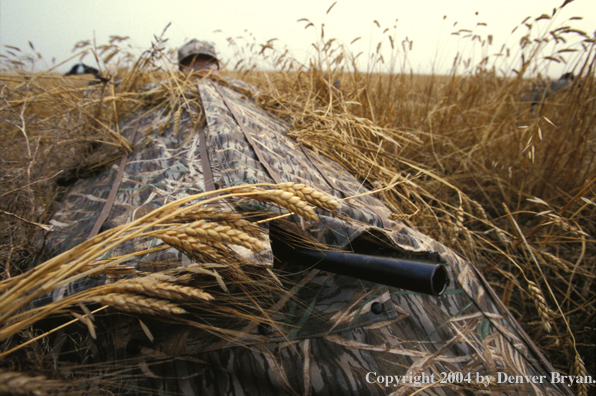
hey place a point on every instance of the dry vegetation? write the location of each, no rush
(509, 185)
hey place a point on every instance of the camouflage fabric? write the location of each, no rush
(336, 335)
(196, 47)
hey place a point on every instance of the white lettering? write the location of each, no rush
(388, 380)
(571, 379)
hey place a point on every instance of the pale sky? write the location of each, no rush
(55, 26)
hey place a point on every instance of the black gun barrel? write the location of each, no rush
(404, 274)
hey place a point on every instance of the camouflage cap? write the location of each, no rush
(196, 47)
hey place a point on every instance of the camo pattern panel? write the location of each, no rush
(329, 337)
(162, 168)
(239, 164)
(329, 340)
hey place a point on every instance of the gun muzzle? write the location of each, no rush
(404, 274)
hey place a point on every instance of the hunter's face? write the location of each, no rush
(201, 64)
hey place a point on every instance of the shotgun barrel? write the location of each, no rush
(410, 275)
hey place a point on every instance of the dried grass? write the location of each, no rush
(19, 384)
(175, 295)
(458, 151)
(460, 157)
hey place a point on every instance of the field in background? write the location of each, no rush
(510, 185)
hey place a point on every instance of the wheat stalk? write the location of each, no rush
(192, 246)
(309, 194)
(225, 217)
(458, 227)
(80, 261)
(540, 301)
(563, 224)
(557, 261)
(165, 290)
(187, 214)
(192, 237)
(137, 304)
(579, 369)
(177, 120)
(290, 201)
(205, 230)
(479, 209)
(242, 225)
(13, 383)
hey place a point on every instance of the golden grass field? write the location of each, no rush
(510, 186)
